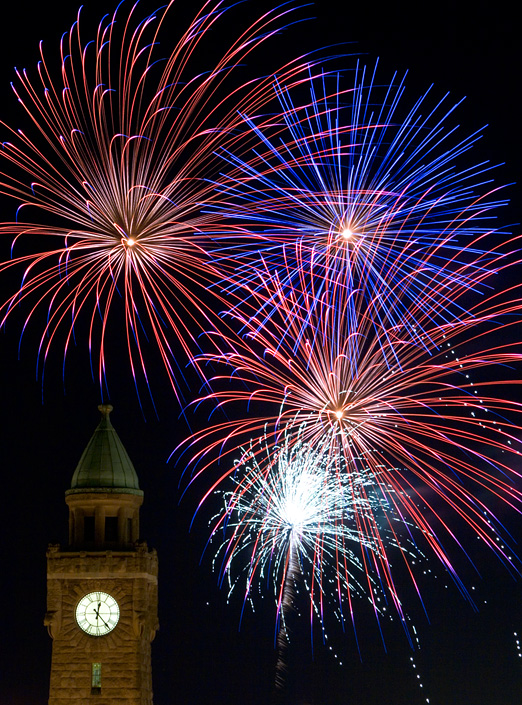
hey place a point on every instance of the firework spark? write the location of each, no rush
(111, 167)
(344, 187)
(371, 320)
(420, 427)
(292, 520)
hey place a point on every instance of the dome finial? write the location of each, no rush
(105, 409)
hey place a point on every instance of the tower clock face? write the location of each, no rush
(97, 613)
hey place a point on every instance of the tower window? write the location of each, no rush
(111, 528)
(88, 529)
(96, 678)
(129, 530)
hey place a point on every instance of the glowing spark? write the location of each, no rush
(120, 142)
(416, 428)
(357, 159)
(292, 518)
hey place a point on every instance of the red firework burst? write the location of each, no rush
(114, 170)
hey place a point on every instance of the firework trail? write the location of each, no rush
(390, 347)
(353, 186)
(429, 426)
(292, 520)
(109, 178)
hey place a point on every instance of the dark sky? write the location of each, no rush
(466, 657)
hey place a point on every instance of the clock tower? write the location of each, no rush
(102, 589)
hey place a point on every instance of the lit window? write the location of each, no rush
(96, 678)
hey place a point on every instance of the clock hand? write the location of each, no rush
(98, 615)
(104, 622)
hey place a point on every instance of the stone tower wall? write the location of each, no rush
(131, 577)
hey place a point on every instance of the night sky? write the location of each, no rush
(466, 657)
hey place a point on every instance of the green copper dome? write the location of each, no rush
(105, 465)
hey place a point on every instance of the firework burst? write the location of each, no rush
(111, 168)
(294, 521)
(428, 428)
(352, 186)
